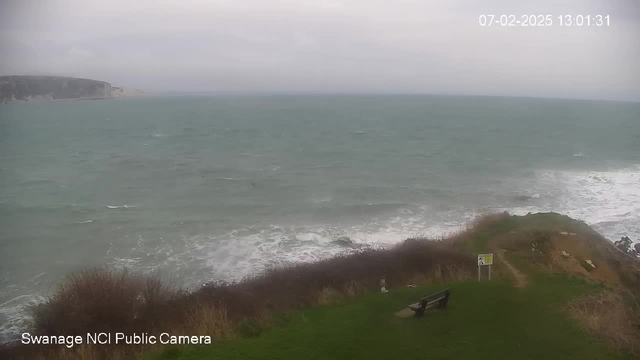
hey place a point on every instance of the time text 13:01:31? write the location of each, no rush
(544, 20)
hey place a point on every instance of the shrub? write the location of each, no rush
(104, 300)
(91, 300)
(608, 316)
(528, 240)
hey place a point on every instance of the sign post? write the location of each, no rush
(485, 260)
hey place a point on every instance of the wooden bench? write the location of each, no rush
(439, 298)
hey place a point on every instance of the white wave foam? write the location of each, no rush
(607, 196)
(246, 251)
(85, 222)
(607, 200)
(38, 276)
(243, 252)
(15, 316)
(124, 262)
(125, 206)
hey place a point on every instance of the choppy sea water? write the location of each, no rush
(219, 187)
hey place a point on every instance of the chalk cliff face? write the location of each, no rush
(49, 88)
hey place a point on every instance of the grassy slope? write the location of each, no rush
(484, 320)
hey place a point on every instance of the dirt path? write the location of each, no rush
(521, 279)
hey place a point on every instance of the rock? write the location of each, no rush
(512, 232)
(572, 234)
(564, 233)
(590, 263)
(565, 254)
(344, 241)
(522, 198)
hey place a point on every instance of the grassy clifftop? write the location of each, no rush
(483, 320)
(545, 301)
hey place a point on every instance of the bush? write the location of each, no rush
(303, 285)
(527, 240)
(104, 300)
(610, 317)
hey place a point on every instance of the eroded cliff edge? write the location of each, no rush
(20, 89)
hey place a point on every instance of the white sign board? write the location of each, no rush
(485, 259)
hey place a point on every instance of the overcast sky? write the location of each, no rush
(357, 46)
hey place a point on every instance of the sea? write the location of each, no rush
(219, 187)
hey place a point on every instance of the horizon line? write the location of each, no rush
(324, 93)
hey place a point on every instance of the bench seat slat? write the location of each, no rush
(438, 294)
(439, 298)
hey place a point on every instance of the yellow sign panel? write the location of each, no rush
(485, 259)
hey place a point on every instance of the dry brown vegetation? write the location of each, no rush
(613, 315)
(104, 300)
(480, 224)
(610, 316)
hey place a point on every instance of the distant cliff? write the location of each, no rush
(118, 92)
(16, 89)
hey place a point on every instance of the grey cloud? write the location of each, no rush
(402, 46)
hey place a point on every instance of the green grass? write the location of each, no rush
(488, 320)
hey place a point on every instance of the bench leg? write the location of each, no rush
(443, 303)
